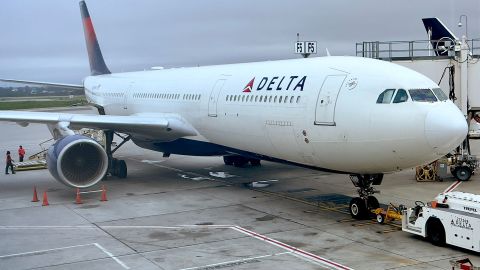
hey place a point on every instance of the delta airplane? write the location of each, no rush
(348, 115)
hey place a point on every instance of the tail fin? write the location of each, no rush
(438, 34)
(97, 64)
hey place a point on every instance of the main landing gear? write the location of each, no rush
(360, 206)
(240, 161)
(116, 167)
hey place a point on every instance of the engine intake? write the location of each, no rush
(77, 161)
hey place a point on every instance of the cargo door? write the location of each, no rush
(213, 100)
(125, 95)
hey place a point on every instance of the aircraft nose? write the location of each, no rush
(445, 129)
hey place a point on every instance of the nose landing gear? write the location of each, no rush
(360, 206)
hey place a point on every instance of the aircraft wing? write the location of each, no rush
(159, 126)
(59, 85)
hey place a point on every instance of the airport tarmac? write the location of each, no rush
(195, 213)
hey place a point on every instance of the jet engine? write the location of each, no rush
(77, 161)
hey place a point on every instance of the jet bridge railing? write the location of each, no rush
(416, 49)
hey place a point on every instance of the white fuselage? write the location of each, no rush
(319, 112)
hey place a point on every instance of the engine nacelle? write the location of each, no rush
(77, 161)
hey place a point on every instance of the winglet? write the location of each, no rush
(97, 64)
(328, 52)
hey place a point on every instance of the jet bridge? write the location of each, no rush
(454, 65)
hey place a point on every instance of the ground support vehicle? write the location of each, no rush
(452, 218)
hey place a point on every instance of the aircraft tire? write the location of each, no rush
(240, 162)
(122, 169)
(372, 202)
(255, 162)
(462, 173)
(228, 160)
(358, 209)
(114, 169)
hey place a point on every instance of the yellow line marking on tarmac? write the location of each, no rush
(370, 222)
(346, 220)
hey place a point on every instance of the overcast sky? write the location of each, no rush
(43, 40)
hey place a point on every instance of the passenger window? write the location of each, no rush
(275, 99)
(386, 96)
(280, 99)
(298, 99)
(422, 95)
(440, 94)
(401, 96)
(291, 99)
(256, 98)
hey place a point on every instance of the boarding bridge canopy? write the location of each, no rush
(416, 49)
(433, 58)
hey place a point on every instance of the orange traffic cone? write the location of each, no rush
(45, 199)
(78, 200)
(35, 197)
(104, 194)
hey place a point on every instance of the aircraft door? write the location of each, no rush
(125, 96)
(327, 100)
(213, 100)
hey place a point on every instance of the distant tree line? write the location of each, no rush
(28, 91)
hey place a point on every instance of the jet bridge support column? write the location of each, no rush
(464, 76)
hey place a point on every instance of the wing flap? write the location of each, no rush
(164, 127)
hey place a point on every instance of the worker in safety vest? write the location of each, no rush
(21, 153)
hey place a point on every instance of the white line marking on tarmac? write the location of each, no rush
(240, 261)
(111, 255)
(116, 227)
(222, 174)
(42, 251)
(300, 252)
(45, 227)
(307, 256)
(104, 250)
(168, 227)
(91, 191)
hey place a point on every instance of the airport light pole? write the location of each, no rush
(466, 23)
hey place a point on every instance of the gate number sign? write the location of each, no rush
(302, 47)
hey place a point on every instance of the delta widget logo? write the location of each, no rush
(249, 86)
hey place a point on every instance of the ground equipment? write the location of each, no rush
(452, 218)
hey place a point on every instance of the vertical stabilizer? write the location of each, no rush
(439, 35)
(97, 64)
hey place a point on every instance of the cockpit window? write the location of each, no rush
(401, 96)
(440, 94)
(422, 95)
(386, 96)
